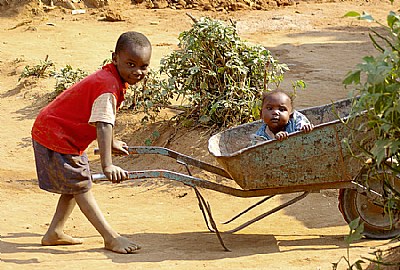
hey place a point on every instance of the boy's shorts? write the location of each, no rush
(61, 173)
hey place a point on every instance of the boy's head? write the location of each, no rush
(276, 110)
(132, 56)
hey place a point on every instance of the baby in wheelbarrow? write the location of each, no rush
(279, 118)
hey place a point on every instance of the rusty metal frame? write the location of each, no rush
(195, 182)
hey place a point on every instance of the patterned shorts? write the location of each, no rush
(61, 173)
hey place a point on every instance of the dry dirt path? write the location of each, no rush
(314, 40)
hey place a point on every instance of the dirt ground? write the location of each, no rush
(318, 44)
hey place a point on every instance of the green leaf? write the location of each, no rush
(352, 14)
(352, 77)
(380, 148)
(358, 232)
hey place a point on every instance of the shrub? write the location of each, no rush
(217, 75)
(215, 78)
(377, 82)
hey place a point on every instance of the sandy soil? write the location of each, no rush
(320, 47)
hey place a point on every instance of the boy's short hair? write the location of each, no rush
(133, 38)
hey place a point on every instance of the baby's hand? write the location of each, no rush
(120, 147)
(281, 135)
(307, 128)
(115, 174)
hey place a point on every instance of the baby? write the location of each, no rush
(279, 118)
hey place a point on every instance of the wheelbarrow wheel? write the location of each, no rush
(377, 223)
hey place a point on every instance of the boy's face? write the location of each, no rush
(276, 110)
(132, 63)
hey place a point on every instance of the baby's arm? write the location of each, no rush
(105, 142)
(302, 123)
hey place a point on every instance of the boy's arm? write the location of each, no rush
(105, 143)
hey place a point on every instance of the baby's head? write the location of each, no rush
(276, 109)
(132, 56)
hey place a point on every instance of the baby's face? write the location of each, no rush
(132, 63)
(276, 111)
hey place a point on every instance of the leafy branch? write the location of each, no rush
(377, 85)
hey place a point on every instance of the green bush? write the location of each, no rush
(377, 82)
(213, 79)
(218, 76)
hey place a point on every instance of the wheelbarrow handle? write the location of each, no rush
(179, 157)
(98, 177)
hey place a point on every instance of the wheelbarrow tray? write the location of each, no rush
(319, 157)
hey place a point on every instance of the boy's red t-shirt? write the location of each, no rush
(62, 125)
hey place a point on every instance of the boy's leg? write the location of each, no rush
(112, 240)
(55, 234)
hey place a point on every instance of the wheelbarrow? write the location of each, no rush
(304, 163)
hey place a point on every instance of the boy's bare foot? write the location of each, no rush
(60, 239)
(121, 245)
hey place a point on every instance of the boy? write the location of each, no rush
(279, 118)
(64, 129)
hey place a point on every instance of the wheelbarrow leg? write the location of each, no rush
(205, 205)
(248, 209)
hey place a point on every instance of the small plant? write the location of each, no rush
(67, 77)
(154, 136)
(40, 70)
(355, 234)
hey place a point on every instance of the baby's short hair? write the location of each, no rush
(133, 38)
(265, 95)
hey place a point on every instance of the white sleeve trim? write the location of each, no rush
(104, 109)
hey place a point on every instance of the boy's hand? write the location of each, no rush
(119, 147)
(281, 135)
(115, 174)
(307, 128)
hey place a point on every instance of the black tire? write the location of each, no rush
(377, 223)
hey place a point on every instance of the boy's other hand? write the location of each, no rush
(115, 174)
(119, 147)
